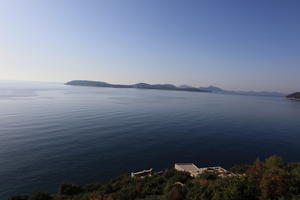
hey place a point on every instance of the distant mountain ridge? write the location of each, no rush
(138, 85)
(211, 88)
(254, 93)
(247, 93)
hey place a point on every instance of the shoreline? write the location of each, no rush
(293, 98)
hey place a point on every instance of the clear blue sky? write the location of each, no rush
(241, 44)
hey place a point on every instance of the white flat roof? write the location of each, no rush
(187, 166)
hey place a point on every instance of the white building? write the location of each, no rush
(142, 174)
(187, 167)
(194, 171)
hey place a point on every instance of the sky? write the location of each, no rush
(232, 44)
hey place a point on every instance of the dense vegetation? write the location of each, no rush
(270, 179)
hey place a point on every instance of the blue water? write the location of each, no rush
(51, 133)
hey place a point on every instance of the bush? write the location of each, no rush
(70, 189)
(176, 193)
(274, 162)
(208, 176)
(92, 187)
(241, 169)
(272, 186)
(107, 189)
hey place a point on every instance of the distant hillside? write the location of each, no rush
(212, 88)
(294, 96)
(138, 86)
(246, 93)
(173, 87)
(96, 84)
(185, 86)
(255, 93)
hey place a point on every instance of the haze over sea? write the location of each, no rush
(51, 133)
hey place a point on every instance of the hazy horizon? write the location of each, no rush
(234, 45)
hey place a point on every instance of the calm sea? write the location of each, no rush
(51, 133)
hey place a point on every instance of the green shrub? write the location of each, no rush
(70, 189)
(92, 187)
(274, 162)
(208, 176)
(241, 169)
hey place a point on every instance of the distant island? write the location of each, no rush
(271, 179)
(138, 86)
(188, 88)
(294, 96)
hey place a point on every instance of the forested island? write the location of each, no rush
(138, 86)
(173, 87)
(269, 179)
(294, 96)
